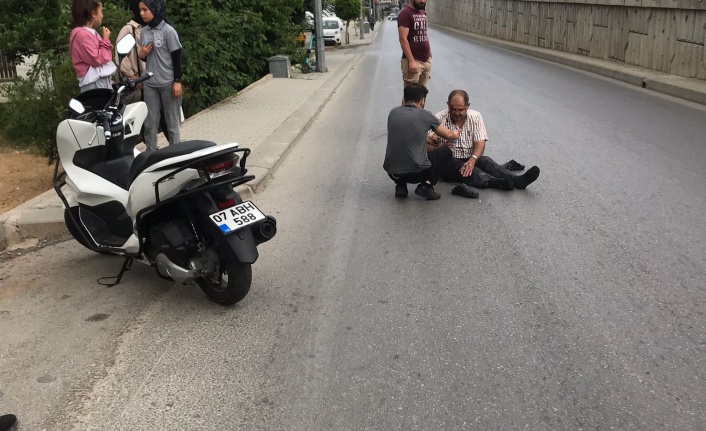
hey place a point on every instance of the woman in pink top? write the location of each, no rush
(91, 54)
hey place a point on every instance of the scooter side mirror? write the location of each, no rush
(125, 44)
(77, 106)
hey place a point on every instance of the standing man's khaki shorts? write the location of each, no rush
(421, 77)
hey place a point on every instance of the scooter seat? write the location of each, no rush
(149, 158)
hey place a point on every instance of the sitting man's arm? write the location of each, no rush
(478, 149)
(480, 136)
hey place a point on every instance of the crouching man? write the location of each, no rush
(406, 158)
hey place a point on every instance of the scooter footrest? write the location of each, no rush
(99, 230)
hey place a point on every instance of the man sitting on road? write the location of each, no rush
(406, 157)
(469, 166)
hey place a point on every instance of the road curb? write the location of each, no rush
(24, 222)
(690, 89)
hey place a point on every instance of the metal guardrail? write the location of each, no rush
(7, 69)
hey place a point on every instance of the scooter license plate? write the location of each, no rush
(237, 217)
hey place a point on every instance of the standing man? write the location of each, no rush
(406, 157)
(414, 41)
(469, 166)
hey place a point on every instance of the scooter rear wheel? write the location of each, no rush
(232, 283)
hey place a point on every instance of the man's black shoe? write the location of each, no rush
(7, 422)
(512, 165)
(427, 191)
(401, 190)
(465, 191)
(522, 181)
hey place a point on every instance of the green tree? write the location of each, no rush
(226, 47)
(37, 104)
(30, 28)
(347, 10)
(227, 43)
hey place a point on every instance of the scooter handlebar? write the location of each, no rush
(106, 127)
(143, 78)
(130, 84)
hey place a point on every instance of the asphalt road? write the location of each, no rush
(575, 304)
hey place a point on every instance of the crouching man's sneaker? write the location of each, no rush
(427, 191)
(465, 191)
(401, 190)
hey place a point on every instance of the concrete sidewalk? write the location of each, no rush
(690, 89)
(268, 117)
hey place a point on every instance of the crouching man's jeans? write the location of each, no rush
(439, 158)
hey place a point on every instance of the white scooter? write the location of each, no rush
(174, 209)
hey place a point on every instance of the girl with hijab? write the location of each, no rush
(131, 66)
(160, 47)
(91, 53)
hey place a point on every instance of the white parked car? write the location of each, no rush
(333, 31)
(309, 18)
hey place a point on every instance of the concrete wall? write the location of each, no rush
(23, 69)
(664, 35)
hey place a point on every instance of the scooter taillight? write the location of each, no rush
(218, 167)
(226, 204)
(221, 166)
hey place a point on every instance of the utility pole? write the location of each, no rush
(361, 20)
(319, 30)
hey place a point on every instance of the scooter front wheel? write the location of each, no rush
(232, 282)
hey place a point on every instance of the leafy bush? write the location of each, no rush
(227, 44)
(226, 47)
(37, 104)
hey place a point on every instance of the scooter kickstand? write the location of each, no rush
(126, 267)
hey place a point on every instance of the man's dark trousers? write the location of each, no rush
(440, 162)
(485, 170)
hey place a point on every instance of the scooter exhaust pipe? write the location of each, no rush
(266, 230)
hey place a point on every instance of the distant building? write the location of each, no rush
(7, 69)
